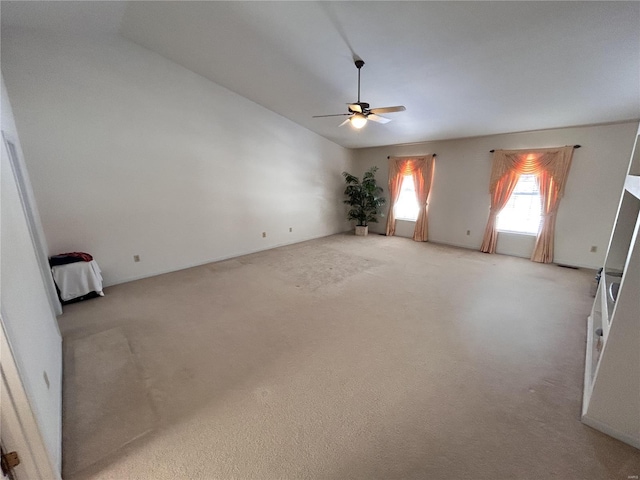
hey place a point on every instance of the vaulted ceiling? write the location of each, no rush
(460, 68)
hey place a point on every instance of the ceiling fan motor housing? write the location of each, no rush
(363, 105)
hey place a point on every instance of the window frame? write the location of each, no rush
(400, 217)
(522, 194)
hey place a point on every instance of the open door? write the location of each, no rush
(20, 436)
(33, 219)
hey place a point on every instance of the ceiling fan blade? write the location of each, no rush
(344, 123)
(354, 107)
(334, 115)
(378, 118)
(399, 108)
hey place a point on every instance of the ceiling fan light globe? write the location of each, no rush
(358, 120)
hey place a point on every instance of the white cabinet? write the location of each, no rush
(611, 401)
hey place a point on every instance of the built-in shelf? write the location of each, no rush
(634, 164)
(611, 283)
(595, 340)
(622, 232)
(611, 400)
(632, 185)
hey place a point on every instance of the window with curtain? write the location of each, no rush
(550, 167)
(523, 211)
(419, 171)
(406, 208)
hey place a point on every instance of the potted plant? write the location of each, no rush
(365, 199)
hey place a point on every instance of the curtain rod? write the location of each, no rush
(575, 146)
(434, 155)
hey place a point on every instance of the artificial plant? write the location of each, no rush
(365, 198)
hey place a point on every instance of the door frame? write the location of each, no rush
(21, 177)
(19, 426)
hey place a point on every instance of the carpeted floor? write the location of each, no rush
(339, 358)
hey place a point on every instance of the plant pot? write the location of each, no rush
(362, 231)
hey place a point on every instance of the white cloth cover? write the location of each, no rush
(77, 279)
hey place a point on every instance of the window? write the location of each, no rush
(406, 208)
(523, 211)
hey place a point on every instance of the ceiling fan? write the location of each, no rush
(360, 113)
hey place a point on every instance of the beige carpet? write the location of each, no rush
(119, 409)
(338, 358)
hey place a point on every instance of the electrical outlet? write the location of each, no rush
(136, 258)
(468, 232)
(264, 234)
(290, 229)
(594, 249)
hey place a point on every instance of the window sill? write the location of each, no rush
(414, 220)
(511, 232)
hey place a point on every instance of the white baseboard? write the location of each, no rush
(217, 259)
(612, 432)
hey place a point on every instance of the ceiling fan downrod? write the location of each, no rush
(359, 64)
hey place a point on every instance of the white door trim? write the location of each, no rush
(20, 431)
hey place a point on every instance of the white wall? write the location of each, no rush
(460, 194)
(27, 315)
(131, 154)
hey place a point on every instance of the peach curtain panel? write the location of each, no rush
(421, 170)
(551, 167)
(422, 178)
(396, 175)
(499, 198)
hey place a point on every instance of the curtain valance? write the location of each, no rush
(406, 165)
(554, 161)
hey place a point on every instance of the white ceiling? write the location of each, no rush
(461, 68)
